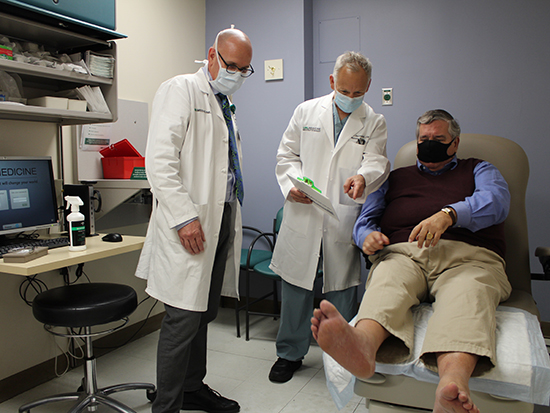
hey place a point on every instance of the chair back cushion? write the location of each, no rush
(278, 220)
(512, 162)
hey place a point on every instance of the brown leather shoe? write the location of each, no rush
(209, 400)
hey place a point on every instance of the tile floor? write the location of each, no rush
(237, 368)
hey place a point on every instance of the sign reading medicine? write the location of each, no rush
(27, 194)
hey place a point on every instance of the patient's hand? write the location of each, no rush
(435, 225)
(374, 242)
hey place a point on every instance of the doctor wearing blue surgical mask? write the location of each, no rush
(192, 249)
(349, 90)
(227, 77)
(338, 142)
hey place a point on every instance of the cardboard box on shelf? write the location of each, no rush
(79, 105)
(49, 102)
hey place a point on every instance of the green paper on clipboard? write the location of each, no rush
(318, 199)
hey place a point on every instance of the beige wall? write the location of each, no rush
(164, 39)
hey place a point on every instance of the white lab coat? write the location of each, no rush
(186, 162)
(307, 149)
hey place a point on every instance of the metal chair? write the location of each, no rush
(249, 258)
(255, 260)
(81, 306)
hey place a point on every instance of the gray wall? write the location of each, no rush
(264, 108)
(485, 62)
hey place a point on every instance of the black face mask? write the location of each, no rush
(433, 151)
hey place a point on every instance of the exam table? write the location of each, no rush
(521, 377)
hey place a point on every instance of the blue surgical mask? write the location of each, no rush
(347, 104)
(226, 83)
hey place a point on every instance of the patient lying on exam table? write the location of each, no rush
(435, 234)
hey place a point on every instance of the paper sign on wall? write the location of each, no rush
(96, 137)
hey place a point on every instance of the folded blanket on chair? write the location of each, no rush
(522, 371)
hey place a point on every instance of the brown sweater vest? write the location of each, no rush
(414, 195)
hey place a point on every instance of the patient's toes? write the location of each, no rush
(318, 314)
(328, 309)
(449, 399)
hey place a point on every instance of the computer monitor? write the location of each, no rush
(27, 194)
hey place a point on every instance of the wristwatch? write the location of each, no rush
(451, 212)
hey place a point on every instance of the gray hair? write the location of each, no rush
(438, 114)
(354, 61)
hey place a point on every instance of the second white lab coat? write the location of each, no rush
(307, 150)
(186, 162)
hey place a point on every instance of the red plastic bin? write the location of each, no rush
(120, 161)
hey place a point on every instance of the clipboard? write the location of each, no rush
(318, 199)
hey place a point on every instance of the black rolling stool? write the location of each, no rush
(84, 306)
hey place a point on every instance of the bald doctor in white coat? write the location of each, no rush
(346, 169)
(193, 241)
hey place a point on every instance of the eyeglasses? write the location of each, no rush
(232, 69)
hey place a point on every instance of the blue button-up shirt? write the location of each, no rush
(488, 205)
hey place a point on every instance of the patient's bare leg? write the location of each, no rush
(354, 348)
(453, 393)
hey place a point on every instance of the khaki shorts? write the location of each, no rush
(465, 284)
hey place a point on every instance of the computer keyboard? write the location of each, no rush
(39, 242)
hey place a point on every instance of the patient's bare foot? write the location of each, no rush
(453, 394)
(351, 347)
(449, 398)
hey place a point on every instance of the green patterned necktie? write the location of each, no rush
(233, 153)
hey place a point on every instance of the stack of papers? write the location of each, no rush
(319, 200)
(100, 64)
(94, 97)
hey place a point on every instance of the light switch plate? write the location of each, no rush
(273, 69)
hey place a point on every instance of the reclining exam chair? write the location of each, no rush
(400, 394)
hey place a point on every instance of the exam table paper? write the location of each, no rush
(522, 371)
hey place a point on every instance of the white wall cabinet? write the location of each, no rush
(41, 81)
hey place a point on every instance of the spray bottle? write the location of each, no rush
(77, 227)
